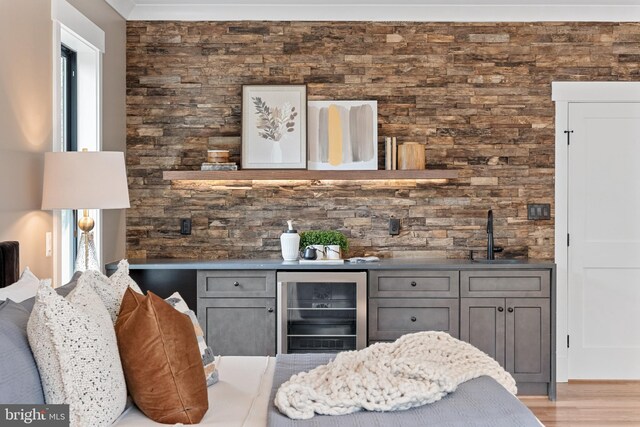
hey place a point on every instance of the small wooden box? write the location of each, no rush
(411, 156)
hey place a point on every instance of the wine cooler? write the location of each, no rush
(321, 312)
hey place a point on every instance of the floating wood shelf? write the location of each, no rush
(284, 174)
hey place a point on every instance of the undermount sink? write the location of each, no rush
(498, 261)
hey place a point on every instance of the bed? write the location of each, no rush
(243, 397)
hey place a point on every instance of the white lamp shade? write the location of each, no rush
(85, 180)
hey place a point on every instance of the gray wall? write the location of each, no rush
(25, 126)
(26, 121)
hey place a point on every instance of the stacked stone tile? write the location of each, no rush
(477, 94)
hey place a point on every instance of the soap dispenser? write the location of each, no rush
(289, 243)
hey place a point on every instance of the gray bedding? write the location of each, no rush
(481, 402)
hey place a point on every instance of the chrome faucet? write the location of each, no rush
(491, 249)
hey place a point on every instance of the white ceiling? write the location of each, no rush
(380, 10)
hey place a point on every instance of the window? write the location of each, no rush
(69, 105)
(69, 127)
(78, 47)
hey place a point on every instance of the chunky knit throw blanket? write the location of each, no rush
(415, 370)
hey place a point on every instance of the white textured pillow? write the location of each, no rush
(25, 288)
(75, 347)
(111, 289)
(121, 279)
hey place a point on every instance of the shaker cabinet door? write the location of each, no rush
(239, 326)
(528, 339)
(482, 323)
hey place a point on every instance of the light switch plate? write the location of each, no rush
(185, 226)
(538, 211)
(48, 250)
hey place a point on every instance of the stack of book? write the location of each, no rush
(218, 160)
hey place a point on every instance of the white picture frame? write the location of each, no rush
(342, 135)
(274, 127)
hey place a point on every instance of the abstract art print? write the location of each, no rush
(274, 127)
(343, 135)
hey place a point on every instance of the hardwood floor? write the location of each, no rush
(590, 403)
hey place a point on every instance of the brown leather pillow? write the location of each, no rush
(161, 360)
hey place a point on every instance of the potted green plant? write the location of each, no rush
(329, 242)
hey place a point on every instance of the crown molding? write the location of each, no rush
(123, 7)
(211, 11)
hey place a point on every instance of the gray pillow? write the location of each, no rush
(61, 290)
(19, 377)
(65, 289)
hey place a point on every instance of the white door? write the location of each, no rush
(604, 250)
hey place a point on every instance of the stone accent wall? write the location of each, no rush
(478, 95)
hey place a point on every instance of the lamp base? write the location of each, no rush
(87, 257)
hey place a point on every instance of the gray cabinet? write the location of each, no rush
(406, 301)
(237, 311)
(507, 314)
(237, 307)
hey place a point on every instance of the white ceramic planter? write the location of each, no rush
(332, 251)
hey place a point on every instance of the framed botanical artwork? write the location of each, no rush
(274, 127)
(343, 135)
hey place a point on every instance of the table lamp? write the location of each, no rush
(85, 180)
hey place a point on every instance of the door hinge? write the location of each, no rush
(567, 341)
(568, 239)
(568, 132)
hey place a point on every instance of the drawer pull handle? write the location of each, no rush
(236, 284)
(270, 309)
(510, 309)
(414, 284)
(500, 309)
(413, 318)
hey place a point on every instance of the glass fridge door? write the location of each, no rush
(321, 312)
(321, 317)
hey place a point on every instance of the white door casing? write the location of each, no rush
(567, 95)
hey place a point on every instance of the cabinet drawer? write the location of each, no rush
(391, 318)
(413, 284)
(232, 283)
(505, 283)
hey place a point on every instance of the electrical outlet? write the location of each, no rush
(394, 226)
(185, 226)
(538, 211)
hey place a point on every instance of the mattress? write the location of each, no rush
(239, 399)
(243, 398)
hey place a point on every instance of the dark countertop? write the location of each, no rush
(383, 264)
